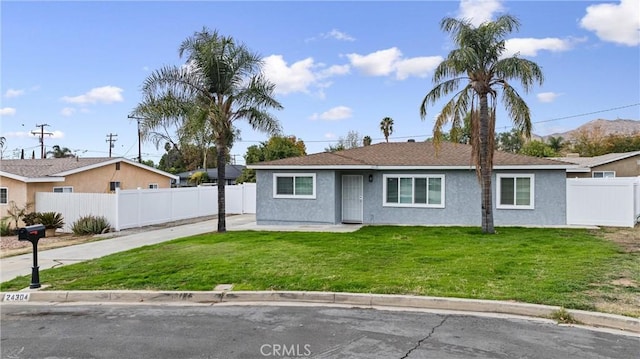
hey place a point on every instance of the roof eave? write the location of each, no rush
(404, 167)
(13, 176)
(115, 160)
(45, 179)
(32, 179)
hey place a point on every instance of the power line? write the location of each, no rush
(111, 138)
(42, 133)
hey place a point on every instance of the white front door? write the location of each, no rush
(352, 199)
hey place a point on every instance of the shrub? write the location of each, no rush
(90, 225)
(5, 227)
(51, 219)
(30, 219)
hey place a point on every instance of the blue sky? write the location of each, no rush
(338, 66)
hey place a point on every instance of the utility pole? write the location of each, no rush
(111, 138)
(139, 136)
(42, 133)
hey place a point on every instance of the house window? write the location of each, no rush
(114, 185)
(153, 186)
(603, 174)
(414, 190)
(515, 191)
(64, 189)
(294, 185)
(4, 195)
(117, 166)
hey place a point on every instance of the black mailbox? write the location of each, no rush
(31, 233)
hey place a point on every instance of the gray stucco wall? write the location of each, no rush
(321, 210)
(462, 201)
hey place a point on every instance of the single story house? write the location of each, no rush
(625, 164)
(21, 179)
(408, 183)
(231, 172)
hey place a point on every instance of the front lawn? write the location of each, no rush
(547, 266)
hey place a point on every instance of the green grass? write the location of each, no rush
(549, 266)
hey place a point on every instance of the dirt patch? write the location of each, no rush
(620, 292)
(625, 282)
(627, 238)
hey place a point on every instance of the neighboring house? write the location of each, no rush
(231, 173)
(21, 179)
(625, 164)
(408, 183)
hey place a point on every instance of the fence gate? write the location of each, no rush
(603, 201)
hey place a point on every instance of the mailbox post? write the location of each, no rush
(33, 235)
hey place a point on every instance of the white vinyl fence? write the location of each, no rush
(603, 201)
(142, 207)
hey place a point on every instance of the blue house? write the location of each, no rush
(408, 183)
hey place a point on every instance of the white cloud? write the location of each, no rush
(105, 94)
(618, 23)
(18, 134)
(334, 114)
(34, 133)
(145, 68)
(301, 76)
(7, 111)
(338, 35)
(13, 93)
(295, 78)
(530, 46)
(334, 70)
(379, 63)
(329, 135)
(389, 61)
(547, 96)
(417, 66)
(479, 11)
(333, 34)
(67, 111)
(56, 134)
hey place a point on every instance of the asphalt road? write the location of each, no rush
(141, 331)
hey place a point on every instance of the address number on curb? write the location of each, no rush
(16, 297)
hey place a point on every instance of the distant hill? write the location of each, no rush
(607, 127)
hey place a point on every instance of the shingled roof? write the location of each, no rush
(29, 170)
(407, 154)
(589, 162)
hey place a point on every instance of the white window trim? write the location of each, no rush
(294, 175)
(532, 195)
(117, 185)
(413, 176)
(6, 189)
(63, 188)
(152, 186)
(593, 174)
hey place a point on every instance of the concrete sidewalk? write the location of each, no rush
(12, 267)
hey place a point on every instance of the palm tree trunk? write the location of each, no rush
(222, 151)
(486, 166)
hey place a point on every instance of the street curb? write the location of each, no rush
(593, 319)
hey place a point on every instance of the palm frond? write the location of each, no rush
(526, 72)
(518, 110)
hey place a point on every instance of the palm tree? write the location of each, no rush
(60, 152)
(477, 61)
(3, 141)
(386, 126)
(556, 143)
(366, 140)
(223, 79)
